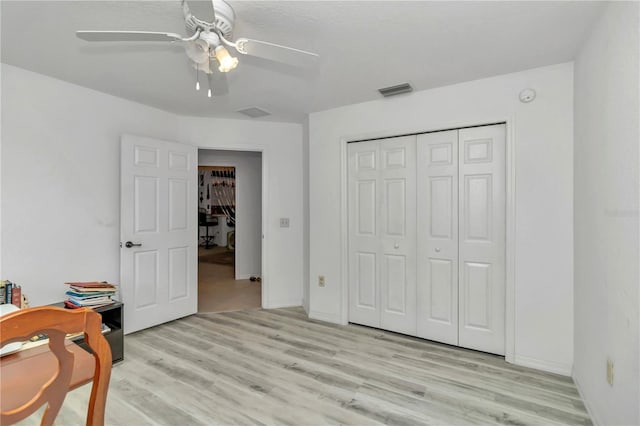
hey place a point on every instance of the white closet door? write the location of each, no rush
(482, 238)
(437, 200)
(398, 234)
(382, 234)
(364, 301)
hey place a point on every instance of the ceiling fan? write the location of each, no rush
(210, 24)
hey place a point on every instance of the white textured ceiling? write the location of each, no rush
(363, 46)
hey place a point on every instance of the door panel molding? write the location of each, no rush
(145, 278)
(478, 196)
(366, 266)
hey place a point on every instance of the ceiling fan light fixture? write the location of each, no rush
(197, 51)
(226, 61)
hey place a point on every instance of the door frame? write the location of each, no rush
(510, 255)
(264, 213)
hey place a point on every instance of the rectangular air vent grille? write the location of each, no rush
(254, 112)
(395, 90)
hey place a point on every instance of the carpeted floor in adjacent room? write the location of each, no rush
(218, 290)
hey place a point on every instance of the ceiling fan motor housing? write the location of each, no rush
(225, 19)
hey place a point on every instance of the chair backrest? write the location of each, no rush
(57, 323)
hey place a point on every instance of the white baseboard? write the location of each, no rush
(246, 276)
(592, 415)
(305, 306)
(326, 317)
(544, 365)
(282, 303)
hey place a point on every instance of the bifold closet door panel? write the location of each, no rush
(398, 234)
(482, 216)
(437, 231)
(382, 242)
(363, 257)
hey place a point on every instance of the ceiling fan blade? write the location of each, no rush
(276, 52)
(202, 9)
(127, 36)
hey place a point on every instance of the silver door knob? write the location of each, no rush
(396, 245)
(437, 250)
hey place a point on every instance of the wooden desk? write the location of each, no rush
(24, 372)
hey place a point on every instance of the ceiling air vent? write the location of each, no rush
(395, 90)
(254, 112)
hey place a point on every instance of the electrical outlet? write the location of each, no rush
(284, 222)
(321, 280)
(610, 371)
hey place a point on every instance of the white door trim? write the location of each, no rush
(510, 122)
(265, 211)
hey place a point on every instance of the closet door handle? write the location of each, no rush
(437, 249)
(396, 245)
(129, 244)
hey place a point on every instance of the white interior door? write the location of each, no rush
(482, 216)
(398, 234)
(382, 234)
(363, 168)
(437, 200)
(158, 268)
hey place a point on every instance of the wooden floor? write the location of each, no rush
(219, 291)
(278, 367)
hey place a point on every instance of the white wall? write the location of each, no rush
(281, 147)
(60, 180)
(60, 183)
(1, 76)
(542, 134)
(305, 211)
(607, 224)
(248, 227)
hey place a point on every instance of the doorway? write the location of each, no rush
(229, 236)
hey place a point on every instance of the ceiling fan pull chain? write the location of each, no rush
(209, 79)
(197, 78)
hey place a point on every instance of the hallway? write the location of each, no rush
(218, 290)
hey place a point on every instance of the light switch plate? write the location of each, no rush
(284, 222)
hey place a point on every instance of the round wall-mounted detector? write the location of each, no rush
(527, 95)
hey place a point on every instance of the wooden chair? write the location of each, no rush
(56, 323)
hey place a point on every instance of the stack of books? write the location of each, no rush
(89, 294)
(10, 293)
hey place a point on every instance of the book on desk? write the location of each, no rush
(92, 294)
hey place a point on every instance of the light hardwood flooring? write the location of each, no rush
(219, 291)
(278, 367)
